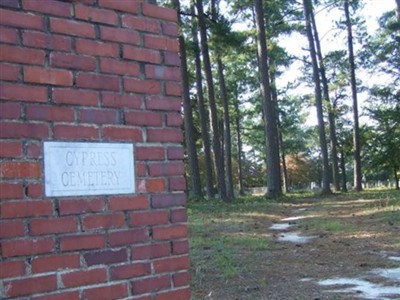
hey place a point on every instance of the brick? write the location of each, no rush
(75, 132)
(23, 209)
(10, 110)
(11, 229)
(177, 183)
(34, 190)
(11, 190)
(167, 169)
(8, 35)
(50, 113)
(143, 118)
(24, 247)
(81, 206)
(123, 133)
(10, 169)
(46, 41)
(142, 55)
(159, 12)
(174, 119)
(78, 97)
(74, 28)
(163, 73)
(112, 66)
(23, 130)
(33, 150)
(172, 58)
(84, 277)
(152, 284)
(47, 76)
(81, 242)
(171, 264)
(181, 279)
(170, 135)
(169, 200)
(173, 89)
(141, 169)
(128, 271)
(43, 264)
(115, 291)
(161, 43)
(121, 101)
(74, 295)
(151, 251)
(21, 55)
(21, 20)
(150, 153)
(29, 286)
(142, 86)
(97, 48)
(179, 215)
(100, 221)
(128, 203)
(9, 269)
(50, 7)
(9, 72)
(126, 6)
(170, 232)
(51, 226)
(164, 103)
(119, 35)
(17, 92)
(11, 150)
(171, 29)
(96, 15)
(72, 61)
(175, 153)
(97, 82)
(183, 294)
(10, 3)
(155, 185)
(98, 116)
(105, 257)
(148, 218)
(127, 237)
(141, 24)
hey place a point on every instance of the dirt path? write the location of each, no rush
(344, 249)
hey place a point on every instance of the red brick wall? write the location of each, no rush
(96, 71)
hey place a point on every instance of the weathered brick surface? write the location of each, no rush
(91, 71)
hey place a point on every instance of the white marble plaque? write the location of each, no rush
(80, 169)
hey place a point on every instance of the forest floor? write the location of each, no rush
(345, 246)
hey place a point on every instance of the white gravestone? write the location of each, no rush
(80, 169)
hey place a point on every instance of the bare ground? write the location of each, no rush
(236, 255)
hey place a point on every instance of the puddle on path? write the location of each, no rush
(295, 238)
(363, 288)
(280, 226)
(393, 274)
(293, 218)
(396, 258)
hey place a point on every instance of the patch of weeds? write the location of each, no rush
(249, 242)
(332, 226)
(224, 258)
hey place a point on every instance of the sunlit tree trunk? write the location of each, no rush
(239, 148)
(356, 129)
(343, 167)
(274, 188)
(398, 10)
(211, 99)
(203, 114)
(318, 99)
(396, 178)
(188, 116)
(331, 115)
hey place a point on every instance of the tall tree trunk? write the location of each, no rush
(188, 116)
(227, 130)
(331, 115)
(211, 98)
(203, 114)
(356, 129)
(398, 10)
(274, 188)
(396, 178)
(318, 99)
(239, 148)
(343, 167)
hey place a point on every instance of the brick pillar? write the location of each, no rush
(104, 71)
